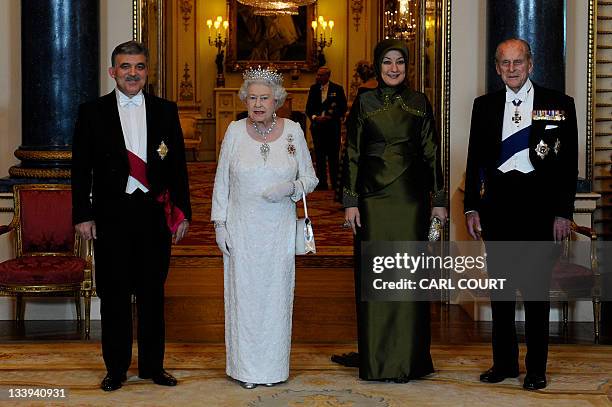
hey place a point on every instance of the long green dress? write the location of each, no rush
(392, 173)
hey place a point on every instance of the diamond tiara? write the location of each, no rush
(252, 74)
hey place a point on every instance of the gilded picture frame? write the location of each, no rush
(284, 40)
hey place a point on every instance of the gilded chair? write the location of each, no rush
(192, 134)
(48, 254)
(576, 275)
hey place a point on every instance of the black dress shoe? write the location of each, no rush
(494, 375)
(350, 359)
(110, 383)
(534, 382)
(162, 378)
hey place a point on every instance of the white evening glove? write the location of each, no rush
(222, 238)
(279, 191)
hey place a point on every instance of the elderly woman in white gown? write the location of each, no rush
(263, 168)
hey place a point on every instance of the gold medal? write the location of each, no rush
(162, 150)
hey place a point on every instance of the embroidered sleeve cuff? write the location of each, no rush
(349, 198)
(439, 199)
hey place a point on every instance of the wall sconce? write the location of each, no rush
(322, 35)
(219, 41)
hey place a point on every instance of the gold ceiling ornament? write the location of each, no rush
(276, 7)
(291, 11)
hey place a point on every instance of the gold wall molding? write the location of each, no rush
(148, 20)
(590, 88)
(186, 88)
(357, 9)
(186, 9)
(445, 97)
(20, 172)
(36, 155)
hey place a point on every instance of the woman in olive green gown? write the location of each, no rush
(392, 188)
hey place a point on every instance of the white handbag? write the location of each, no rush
(304, 236)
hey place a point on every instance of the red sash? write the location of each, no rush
(174, 216)
(138, 170)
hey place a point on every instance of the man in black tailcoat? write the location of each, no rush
(520, 186)
(128, 153)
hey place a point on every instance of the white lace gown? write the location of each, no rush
(259, 274)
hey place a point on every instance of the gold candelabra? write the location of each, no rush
(322, 35)
(219, 41)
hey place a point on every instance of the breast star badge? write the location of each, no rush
(162, 150)
(542, 149)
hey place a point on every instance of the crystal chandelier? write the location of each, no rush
(276, 7)
(399, 22)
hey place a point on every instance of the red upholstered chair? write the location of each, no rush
(48, 260)
(577, 276)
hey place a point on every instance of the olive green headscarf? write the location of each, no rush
(379, 52)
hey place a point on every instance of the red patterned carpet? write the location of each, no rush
(326, 215)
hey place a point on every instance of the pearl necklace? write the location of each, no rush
(264, 149)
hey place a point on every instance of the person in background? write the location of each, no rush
(367, 74)
(326, 106)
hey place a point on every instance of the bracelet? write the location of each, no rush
(219, 224)
(292, 189)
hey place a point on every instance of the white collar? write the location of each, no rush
(521, 94)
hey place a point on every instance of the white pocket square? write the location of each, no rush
(551, 126)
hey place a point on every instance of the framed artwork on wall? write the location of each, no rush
(284, 40)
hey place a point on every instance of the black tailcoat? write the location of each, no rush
(132, 248)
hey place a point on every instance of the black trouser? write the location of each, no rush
(132, 255)
(326, 141)
(516, 211)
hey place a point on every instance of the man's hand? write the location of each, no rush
(351, 216)
(472, 220)
(86, 230)
(561, 228)
(181, 231)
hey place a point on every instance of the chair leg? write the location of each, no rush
(596, 318)
(77, 303)
(19, 309)
(565, 306)
(565, 318)
(87, 301)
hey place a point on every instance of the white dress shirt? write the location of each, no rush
(324, 89)
(519, 161)
(133, 115)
